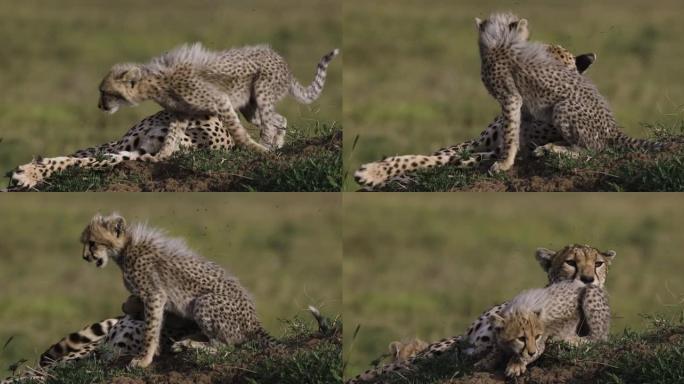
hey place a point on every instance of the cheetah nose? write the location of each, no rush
(587, 279)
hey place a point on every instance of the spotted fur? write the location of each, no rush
(472, 153)
(153, 139)
(166, 274)
(518, 72)
(193, 80)
(582, 263)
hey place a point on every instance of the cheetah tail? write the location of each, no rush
(265, 339)
(309, 94)
(77, 343)
(621, 140)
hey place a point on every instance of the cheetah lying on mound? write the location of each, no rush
(494, 335)
(152, 139)
(469, 154)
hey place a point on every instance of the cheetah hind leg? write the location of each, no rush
(397, 168)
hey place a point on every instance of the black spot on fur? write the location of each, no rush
(97, 329)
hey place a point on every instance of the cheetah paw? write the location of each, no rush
(540, 151)
(140, 362)
(515, 369)
(500, 166)
(372, 175)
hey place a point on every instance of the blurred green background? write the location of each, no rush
(54, 54)
(412, 68)
(285, 249)
(428, 265)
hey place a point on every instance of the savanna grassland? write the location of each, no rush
(412, 74)
(419, 266)
(285, 249)
(54, 55)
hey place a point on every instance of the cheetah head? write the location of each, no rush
(501, 29)
(576, 262)
(104, 237)
(120, 87)
(403, 350)
(518, 333)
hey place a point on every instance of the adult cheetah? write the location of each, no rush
(150, 140)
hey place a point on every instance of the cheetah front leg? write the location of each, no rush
(171, 142)
(154, 316)
(512, 110)
(596, 313)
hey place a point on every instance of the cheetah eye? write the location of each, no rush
(513, 25)
(538, 337)
(522, 339)
(598, 264)
(571, 263)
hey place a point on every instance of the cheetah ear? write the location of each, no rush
(394, 348)
(544, 257)
(609, 255)
(522, 24)
(478, 23)
(131, 75)
(116, 223)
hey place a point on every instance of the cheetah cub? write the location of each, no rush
(167, 275)
(192, 80)
(561, 309)
(517, 72)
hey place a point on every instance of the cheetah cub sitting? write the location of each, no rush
(192, 80)
(520, 73)
(472, 153)
(167, 275)
(582, 263)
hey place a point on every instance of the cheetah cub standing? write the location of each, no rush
(517, 72)
(165, 274)
(191, 80)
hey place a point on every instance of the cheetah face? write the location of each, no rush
(576, 262)
(519, 333)
(120, 87)
(103, 238)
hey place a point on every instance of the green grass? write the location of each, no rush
(306, 357)
(57, 54)
(652, 355)
(304, 164)
(426, 266)
(284, 248)
(412, 73)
